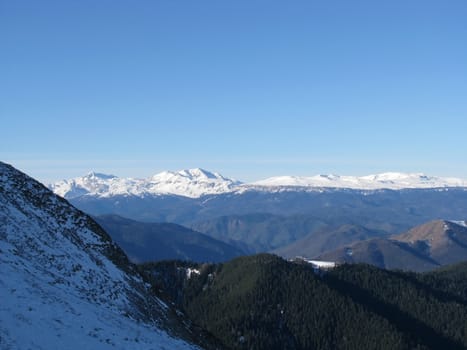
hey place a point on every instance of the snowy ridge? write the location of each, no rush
(64, 283)
(462, 223)
(393, 181)
(195, 183)
(192, 183)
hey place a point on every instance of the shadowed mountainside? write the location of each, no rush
(144, 242)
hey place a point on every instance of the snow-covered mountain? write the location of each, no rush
(393, 181)
(64, 284)
(192, 183)
(195, 183)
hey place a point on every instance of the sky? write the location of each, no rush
(247, 88)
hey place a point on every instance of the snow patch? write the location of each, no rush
(462, 223)
(190, 272)
(317, 264)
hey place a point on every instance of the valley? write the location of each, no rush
(289, 216)
(109, 281)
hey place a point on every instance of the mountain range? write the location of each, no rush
(273, 214)
(195, 183)
(192, 183)
(66, 284)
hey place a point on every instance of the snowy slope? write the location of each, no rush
(189, 183)
(64, 284)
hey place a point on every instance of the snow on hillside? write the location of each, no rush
(196, 183)
(64, 284)
(99, 185)
(189, 183)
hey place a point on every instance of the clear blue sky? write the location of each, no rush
(247, 88)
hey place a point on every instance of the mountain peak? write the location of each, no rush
(192, 183)
(437, 234)
(199, 173)
(100, 176)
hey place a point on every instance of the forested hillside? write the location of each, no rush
(265, 302)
